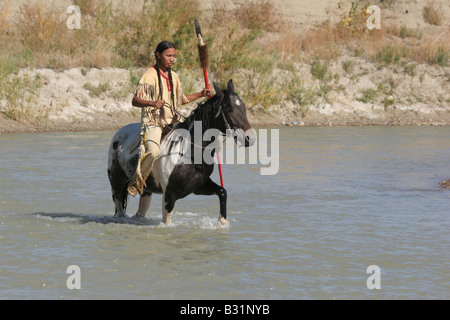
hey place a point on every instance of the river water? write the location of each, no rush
(344, 199)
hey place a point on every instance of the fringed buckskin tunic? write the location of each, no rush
(154, 120)
(148, 89)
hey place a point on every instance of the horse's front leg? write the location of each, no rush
(168, 203)
(209, 188)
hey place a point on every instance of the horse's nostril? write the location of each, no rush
(250, 138)
(247, 141)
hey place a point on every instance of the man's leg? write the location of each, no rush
(152, 139)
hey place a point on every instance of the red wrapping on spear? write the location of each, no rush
(204, 63)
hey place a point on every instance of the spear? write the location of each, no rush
(203, 53)
(204, 63)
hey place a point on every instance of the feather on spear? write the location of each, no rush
(203, 53)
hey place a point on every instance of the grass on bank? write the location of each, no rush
(253, 37)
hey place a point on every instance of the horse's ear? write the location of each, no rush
(230, 87)
(219, 91)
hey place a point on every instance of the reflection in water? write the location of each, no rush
(82, 219)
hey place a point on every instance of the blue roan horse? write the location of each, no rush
(173, 178)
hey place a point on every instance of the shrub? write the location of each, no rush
(432, 15)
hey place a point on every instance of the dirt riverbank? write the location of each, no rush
(98, 99)
(347, 90)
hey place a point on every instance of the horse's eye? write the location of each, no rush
(227, 108)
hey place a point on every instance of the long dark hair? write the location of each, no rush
(160, 48)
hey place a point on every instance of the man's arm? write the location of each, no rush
(141, 103)
(198, 95)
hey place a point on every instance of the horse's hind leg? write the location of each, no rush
(118, 181)
(121, 205)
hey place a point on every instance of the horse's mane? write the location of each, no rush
(204, 112)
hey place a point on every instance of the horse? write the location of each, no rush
(175, 174)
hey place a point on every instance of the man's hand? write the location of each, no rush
(206, 93)
(158, 103)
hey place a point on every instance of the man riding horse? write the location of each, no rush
(159, 94)
(140, 161)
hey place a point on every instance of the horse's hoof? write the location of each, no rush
(167, 222)
(223, 221)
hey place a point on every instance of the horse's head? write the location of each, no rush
(232, 115)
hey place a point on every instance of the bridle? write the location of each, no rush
(225, 120)
(227, 123)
